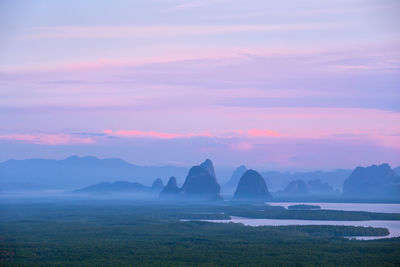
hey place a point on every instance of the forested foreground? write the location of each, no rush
(120, 234)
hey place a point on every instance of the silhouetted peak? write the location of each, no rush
(172, 182)
(199, 181)
(208, 166)
(372, 180)
(252, 186)
(252, 173)
(170, 189)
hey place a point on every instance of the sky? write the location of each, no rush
(282, 85)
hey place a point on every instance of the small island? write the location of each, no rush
(304, 207)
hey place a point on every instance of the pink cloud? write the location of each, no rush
(137, 133)
(242, 146)
(76, 139)
(163, 135)
(243, 136)
(107, 131)
(48, 139)
(154, 134)
(204, 134)
(263, 133)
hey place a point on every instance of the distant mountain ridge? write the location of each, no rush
(278, 180)
(122, 187)
(297, 187)
(115, 187)
(318, 187)
(375, 180)
(75, 172)
(313, 188)
(234, 180)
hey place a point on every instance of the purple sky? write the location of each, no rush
(271, 84)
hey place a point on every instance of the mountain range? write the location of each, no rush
(83, 172)
(375, 180)
(77, 172)
(278, 180)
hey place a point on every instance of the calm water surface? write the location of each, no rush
(392, 226)
(371, 207)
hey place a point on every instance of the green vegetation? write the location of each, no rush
(126, 234)
(304, 207)
(273, 212)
